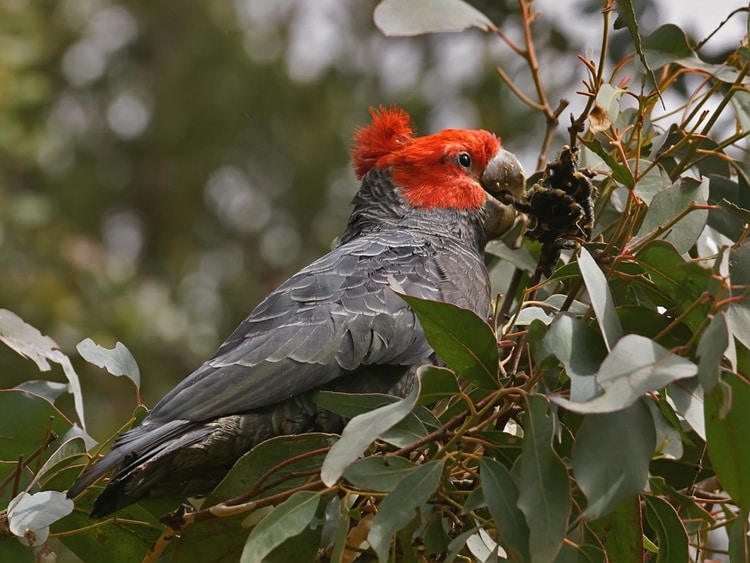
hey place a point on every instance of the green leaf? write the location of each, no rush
(30, 343)
(669, 40)
(668, 429)
(24, 419)
(70, 447)
(437, 383)
(50, 390)
(688, 398)
(739, 267)
(457, 544)
(399, 507)
(265, 457)
(671, 202)
(13, 550)
(544, 488)
(417, 17)
(580, 349)
(435, 536)
(29, 516)
(610, 475)
(338, 545)
(711, 347)
(733, 201)
(305, 546)
(27, 340)
(501, 495)
(519, 257)
(620, 532)
(738, 316)
(739, 538)
(695, 512)
(129, 536)
(620, 172)
(607, 108)
(670, 532)
(740, 103)
(270, 457)
(627, 17)
(531, 314)
(379, 473)
(360, 432)
(465, 342)
(727, 438)
(601, 299)
(651, 183)
(288, 519)
(680, 282)
(350, 405)
(635, 366)
(117, 361)
(669, 44)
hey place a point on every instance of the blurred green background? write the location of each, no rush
(164, 165)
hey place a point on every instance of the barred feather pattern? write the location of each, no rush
(336, 324)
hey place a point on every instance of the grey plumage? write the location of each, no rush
(336, 324)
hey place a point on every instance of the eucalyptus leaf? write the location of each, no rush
(501, 495)
(601, 298)
(688, 397)
(379, 473)
(620, 172)
(519, 257)
(739, 267)
(608, 106)
(399, 507)
(544, 487)
(668, 432)
(29, 516)
(360, 432)
(635, 366)
(272, 457)
(669, 44)
(580, 349)
(437, 383)
(609, 475)
(726, 435)
(621, 532)
(680, 283)
(288, 519)
(465, 342)
(118, 361)
(739, 538)
(50, 390)
(668, 204)
(627, 17)
(670, 532)
(417, 17)
(30, 343)
(738, 316)
(24, 418)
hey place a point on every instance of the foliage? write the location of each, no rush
(608, 422)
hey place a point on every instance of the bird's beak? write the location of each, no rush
(504, 175)
(504, 180)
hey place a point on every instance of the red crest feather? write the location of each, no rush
(390, 130)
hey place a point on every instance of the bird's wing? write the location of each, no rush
(332, 317)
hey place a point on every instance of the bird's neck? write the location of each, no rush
(378, 206)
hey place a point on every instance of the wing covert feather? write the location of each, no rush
(327, 320)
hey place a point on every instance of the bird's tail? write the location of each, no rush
(130, 456)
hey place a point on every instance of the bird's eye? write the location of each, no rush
(464, 160)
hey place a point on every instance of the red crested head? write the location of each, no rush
(444, 170)
(389, 131)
